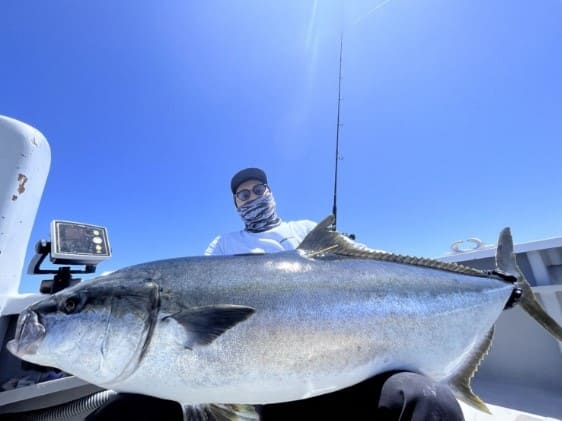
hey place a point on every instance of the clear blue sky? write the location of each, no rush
(451, 116)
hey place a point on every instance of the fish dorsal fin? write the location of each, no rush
(460, 383)
(322, 239)
(220, 412)
(322, 242)
(202, 325)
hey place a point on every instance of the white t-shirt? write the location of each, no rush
(285, 236)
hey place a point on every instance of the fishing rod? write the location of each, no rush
(338, 125)
(335, 207)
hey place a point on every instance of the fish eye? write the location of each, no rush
(70, 305)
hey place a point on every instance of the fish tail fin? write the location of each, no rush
(506, 267)
(460, 382)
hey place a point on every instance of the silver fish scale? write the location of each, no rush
(279, 327)
(318, 325)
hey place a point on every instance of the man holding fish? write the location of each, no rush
(389, 396)
(268, 330)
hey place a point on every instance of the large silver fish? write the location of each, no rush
(258, 329)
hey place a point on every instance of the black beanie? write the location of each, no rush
(245, 175)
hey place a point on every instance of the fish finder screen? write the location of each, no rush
(78, 243)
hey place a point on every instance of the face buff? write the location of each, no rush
(259, 214)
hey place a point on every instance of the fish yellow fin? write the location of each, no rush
(506, 264)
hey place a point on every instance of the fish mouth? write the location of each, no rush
(29, 335)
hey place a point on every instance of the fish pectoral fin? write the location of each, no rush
(220, 412)
(460, 382)
(202, 325)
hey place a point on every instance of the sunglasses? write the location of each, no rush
(244, 194)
